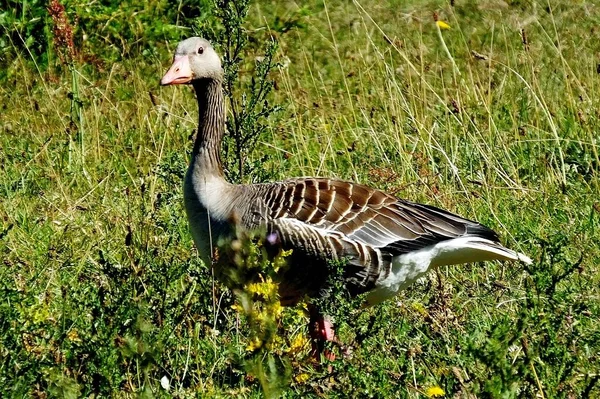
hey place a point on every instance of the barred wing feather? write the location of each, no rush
(366, 215)
(323, 219)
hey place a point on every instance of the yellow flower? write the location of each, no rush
(254, 345)
(265, 288)
(302, 378)
(280, 261)
(419, 308)
(434, 392)
(73, 336)
(298, 343)
(275, 309)
(237, 307)
(275, 344)
(442, 25)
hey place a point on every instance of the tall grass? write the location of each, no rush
(101, 291)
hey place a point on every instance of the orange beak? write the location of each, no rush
(179, 73)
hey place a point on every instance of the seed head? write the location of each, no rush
(62, 32)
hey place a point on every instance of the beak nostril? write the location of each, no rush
(177, 70)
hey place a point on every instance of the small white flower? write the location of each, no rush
(164, 382)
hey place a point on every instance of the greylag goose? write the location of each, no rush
(387, 243)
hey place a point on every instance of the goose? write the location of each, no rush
(386, 243)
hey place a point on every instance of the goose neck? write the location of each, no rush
(211, 125)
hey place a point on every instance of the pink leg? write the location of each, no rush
(326, 329)
(321, 331)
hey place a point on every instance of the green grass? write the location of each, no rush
(101, 290)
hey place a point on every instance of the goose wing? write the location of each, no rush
(326, 219)
(365, 215)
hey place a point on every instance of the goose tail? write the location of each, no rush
(468, 249)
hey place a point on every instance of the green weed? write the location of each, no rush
(101, 289)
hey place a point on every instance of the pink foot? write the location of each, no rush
(321, 331)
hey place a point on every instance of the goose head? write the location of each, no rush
(194, 60)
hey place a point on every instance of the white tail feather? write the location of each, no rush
(407, 268)
(472, 249)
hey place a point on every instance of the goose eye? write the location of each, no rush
(200, 50)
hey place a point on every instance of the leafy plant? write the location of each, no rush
(249, 99)
(245, 266)
(23, 24)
